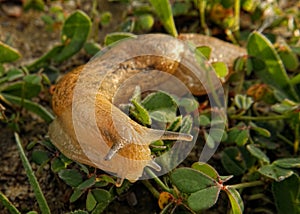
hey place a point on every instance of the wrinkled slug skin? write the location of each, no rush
(115, 126)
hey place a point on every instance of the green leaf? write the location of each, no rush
(238, 135)
(103, 199)
(115, 37)
(106, 178)
(144, 22)
(164, 12)
(296, 79)
(90, 201)
(92, 48)
(174, 126)
(205, 51)
(22, 89)
(32, 179)
(275, 172)
(38, 5)
(161, 106)
(189, 104)
(189, 180)
(221, 69)
(105, 18)
(40, 156)
(45, 59)
(71, 177)
(76, 195)
(206, 169)
(9, 206)
(260, 130)
(8, 54)
(101, 195)
(237, 205)
(287, 195)
(288, 162)
(74, 34)
(181, 8)
(87, 183)
(289, 58)
(57, 165)
(233, 161)
(256, 152)
(14, 74)
(29, 105)
(140, 113)
(273, 72)
(187, 124)
(243, 102)
(204, 120)
(204, 198)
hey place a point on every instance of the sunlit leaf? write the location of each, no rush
(275, 172)
(206, 169)
(205, 51)
(31, 106)
(164, 12)
(273, 72)
(288, 162)
(115, 37)
(237, 205)
(75, 31)
(8, 54)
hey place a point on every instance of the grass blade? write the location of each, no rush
(32, 179)
(11, 208)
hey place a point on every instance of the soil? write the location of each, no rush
(28, 33)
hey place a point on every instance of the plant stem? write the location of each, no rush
(154, 192)
(296, 143)
(202, 6)
(158, 181)
(32, 179)
(285, 139)
(237, 5)
(272, 117)
(247, 184)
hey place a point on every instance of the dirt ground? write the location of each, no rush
(27, 33)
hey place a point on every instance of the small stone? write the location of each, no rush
(12, 10)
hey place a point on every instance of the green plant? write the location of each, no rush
(259, 151)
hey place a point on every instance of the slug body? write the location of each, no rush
(90, 129)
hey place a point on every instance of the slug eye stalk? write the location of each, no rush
(152, 135)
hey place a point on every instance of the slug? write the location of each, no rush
(91, 129)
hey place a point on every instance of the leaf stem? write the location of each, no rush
(285, 139)
(247, 184)
(158, 181)
(296, 143)
(149, 186)
(237, 5)
(201, 7)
